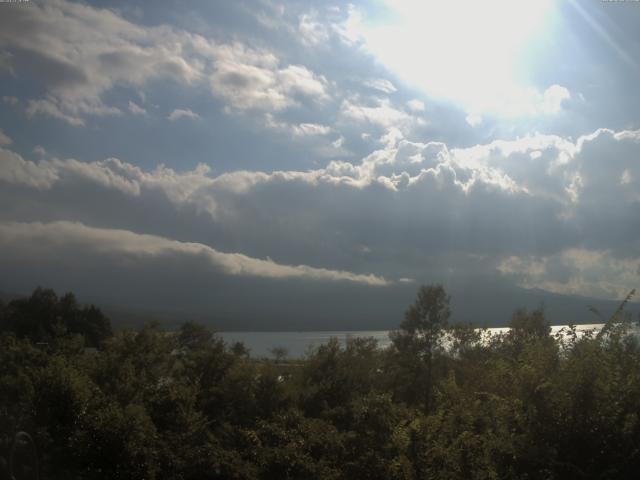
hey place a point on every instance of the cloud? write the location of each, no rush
(626, 178)
(381, 84)
(313, 31)
(553, 98)
(84, 52)
(381, 113)
(522, 102)
(312, 129)
(38, 240)
(253, 80)
(319, 140)
(112, 174)
(300, 129)
(325, 27)
(4, 138)
(48, 107)
(307, 160)
(423, 210)
(415, 105)
(14, 169)
(576, 271)
(473, 119)
(182, 113)
(39, 150)
(300, 80)
(136, 109)
(290, 216)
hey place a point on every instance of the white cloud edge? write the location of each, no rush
(47, 239)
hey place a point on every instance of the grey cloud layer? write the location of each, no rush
(409, 209)
(32, 241)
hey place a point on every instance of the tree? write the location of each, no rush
(239, 349)
(193, 336)
(33, 317)
(422, 330)
(526, 327)
(279, 354)
(43, 316)
(95, 326)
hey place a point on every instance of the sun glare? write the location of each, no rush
(464, 51)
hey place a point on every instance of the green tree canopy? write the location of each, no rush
(421, 332)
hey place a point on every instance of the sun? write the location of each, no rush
(464, 51)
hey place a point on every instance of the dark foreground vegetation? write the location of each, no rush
(147, 404)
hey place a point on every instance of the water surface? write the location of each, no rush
(299, 343)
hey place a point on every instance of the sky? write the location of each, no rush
(311, 163)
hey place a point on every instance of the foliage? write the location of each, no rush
(420, 337)
(441, 403)
(43, 316)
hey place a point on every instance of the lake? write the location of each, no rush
(299, 343)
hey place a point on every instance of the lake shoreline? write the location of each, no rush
(299, 343)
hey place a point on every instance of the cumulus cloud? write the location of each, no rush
(253, 80)
(83, 52)
(50, 108)
(320, 141)
(380, 112)
(182, 113)
(505, 206)
(14, 169)
(110, 173)
(553, 98)
(320, 28)
(312, 30)
(542, 166)
(522, 102)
